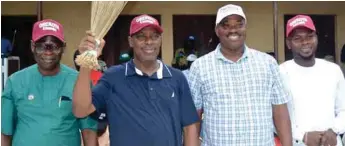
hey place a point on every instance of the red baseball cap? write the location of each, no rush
(299, 21)
(47, 27)
(142, 21)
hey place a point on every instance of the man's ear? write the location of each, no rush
(161, 40)
(216, 31)
(32, 45)
(63, 47)
(288, 43)
(130, 41)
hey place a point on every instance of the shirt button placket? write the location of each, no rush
(151, 90)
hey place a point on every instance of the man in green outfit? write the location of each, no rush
(36, 103)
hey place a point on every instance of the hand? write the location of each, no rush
(89, 43)
(329, 138)
(313, 138)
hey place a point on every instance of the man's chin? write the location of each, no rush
(235, 46)
(46, 67)
(307, 56)
(149, 58)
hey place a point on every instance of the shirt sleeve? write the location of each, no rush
(339, 126)
(100, 92)
(88, 123)
(297, 132)
(188, 111)
(195, 85)
(7, 110)
(280, 94)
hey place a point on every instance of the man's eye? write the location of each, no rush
(296, 38)
(156, 36)
(140, 37)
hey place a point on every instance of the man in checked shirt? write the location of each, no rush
(239, 90)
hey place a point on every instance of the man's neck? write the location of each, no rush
(305, 62)
(232, 54)
(148, 67)
(50, 72)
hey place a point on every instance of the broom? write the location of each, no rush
(103, 15)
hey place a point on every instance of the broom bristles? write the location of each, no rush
(103, 15)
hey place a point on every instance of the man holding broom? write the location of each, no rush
(36, 108)
(147, 103)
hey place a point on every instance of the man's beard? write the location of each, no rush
(306, 58)
(50, 67)
(310, 57)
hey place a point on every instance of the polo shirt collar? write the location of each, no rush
(162, 72)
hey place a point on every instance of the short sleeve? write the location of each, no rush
(8, 111)
(100, 92)
(339, 126)
(88, 123)
(280, 93)
(188, 111)
(195, 85)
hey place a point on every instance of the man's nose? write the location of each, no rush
(48, 51)
(148, 40)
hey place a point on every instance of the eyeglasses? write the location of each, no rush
(41, 48)
(142, 37)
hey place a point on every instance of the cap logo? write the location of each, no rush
(298, 21)
(145, 19)
(49, 26)
(228, 8)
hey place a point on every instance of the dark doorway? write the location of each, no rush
(192, 34)
(21, 45)
(117, 39)
(201, 27)
(325, 27)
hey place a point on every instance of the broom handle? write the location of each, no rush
(98, 43)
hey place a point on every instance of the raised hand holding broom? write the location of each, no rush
(89, 43)
(103, 15)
